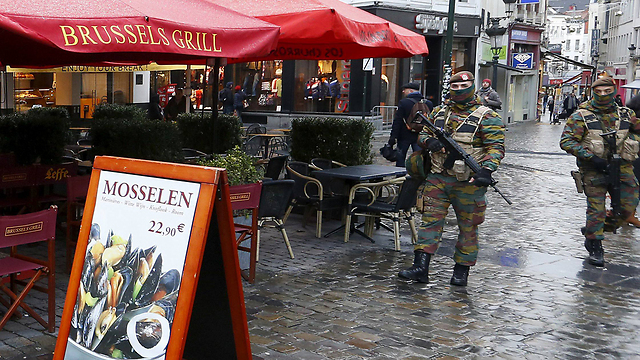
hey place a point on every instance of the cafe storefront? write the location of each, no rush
(80, 89)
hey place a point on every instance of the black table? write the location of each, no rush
(353, 175)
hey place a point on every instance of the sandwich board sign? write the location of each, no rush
(155, 261)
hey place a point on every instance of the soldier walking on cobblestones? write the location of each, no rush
(582, 138)
(480, 132)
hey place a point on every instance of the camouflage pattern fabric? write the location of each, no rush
(490, 133)
(442, 190)
(468, 202)
(596, 212)
(574, 132)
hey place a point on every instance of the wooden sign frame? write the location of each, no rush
(213, 195)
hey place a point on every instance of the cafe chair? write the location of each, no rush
(254, 146)
(24, 270)
(326, 163)
(256, 128)
(274, 166)
(191, 156)
(375, 206)
(278, 147)
(274, 201)
(77, 188)
(247, 197)
(309, 191)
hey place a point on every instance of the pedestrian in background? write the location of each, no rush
(618, 100)
(482, 136)
(225, 96)
(154, 112)
(634, 104)
(581, 138)
(488, 96)
(400, 132)
(570, 104)
(238, 101)
(545, 99)
(176, 105)
(551, 103)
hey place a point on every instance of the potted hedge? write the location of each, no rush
(244, 177)
(245, 186)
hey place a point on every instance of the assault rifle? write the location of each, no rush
(456, 152)
(612, 177)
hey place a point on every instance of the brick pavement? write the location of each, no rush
(531, 295)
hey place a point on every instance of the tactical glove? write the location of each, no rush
(599, 164)
(433, 144)
(391, 141)
(482, 178)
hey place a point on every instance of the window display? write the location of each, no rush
(317, 87)
(33, 90)
(261, 81)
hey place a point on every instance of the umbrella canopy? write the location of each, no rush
(330, 29)
(69, 32)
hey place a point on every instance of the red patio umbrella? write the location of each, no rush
(43, 33)
(330, 29)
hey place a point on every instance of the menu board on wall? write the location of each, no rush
(135, 271)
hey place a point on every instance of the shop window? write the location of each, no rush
(322, 86)
(389, 82)
(261, 81)
(34, 90)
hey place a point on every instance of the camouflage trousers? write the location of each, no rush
(596, 212)
(469, 204)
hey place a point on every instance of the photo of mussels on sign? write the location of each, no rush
(126, 299)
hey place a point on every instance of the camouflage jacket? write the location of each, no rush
(575, 130)
(490, 134)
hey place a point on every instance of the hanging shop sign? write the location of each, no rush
(522, 60)
(136, 282)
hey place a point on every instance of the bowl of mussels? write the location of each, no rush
(126, 301)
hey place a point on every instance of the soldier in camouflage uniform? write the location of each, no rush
(480, 132)
(581, 138)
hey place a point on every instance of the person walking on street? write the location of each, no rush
(551, 104)
(400, 132)
(581, 138)
(570, 104)
(488, 96)
(176, 105)
(238, 101)
(480, 132)
(225, 96)
(545, 99)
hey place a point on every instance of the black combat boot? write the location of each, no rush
(596, 252)
(460, 274)
(420, 269)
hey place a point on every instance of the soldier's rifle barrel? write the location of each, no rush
(453, 146)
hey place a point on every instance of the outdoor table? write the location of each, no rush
(353, 175)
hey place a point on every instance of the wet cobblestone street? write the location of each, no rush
(532, 295)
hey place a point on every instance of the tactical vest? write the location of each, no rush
(626, 146)
(463, 135)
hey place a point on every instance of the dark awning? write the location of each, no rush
(570, 61)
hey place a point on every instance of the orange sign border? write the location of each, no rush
(211, 179)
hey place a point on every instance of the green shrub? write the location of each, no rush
(240, 167)
(113, 111)
(201, 133)
(38, 135)
(125, 131)
(344, 140)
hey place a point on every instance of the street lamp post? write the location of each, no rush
(495, 32)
